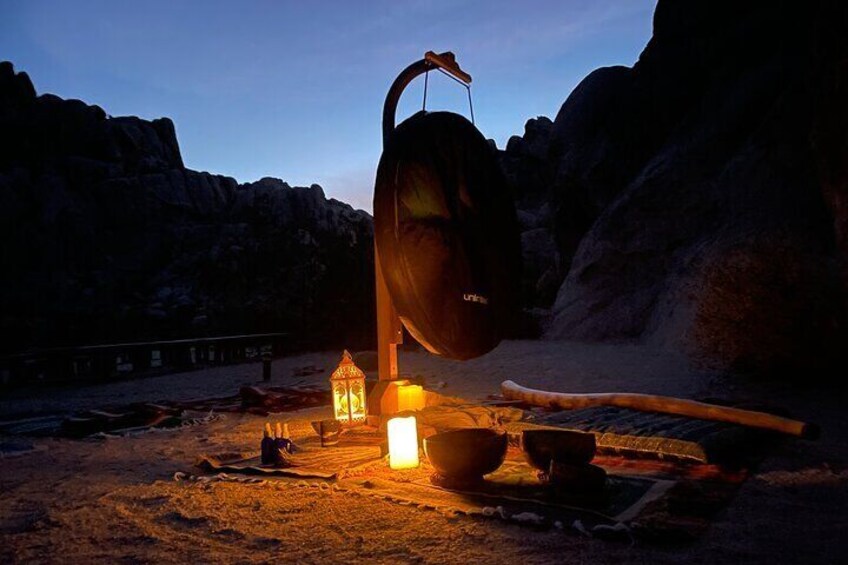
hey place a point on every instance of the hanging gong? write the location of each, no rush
(446, 235)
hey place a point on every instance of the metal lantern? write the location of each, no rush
(348, 385)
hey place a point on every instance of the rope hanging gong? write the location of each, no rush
(445, 228)
(467, 87)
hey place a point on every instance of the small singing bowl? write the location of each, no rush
(562, 446)
(467, 453)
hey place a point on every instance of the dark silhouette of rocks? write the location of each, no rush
(698, 199)
(107, 237)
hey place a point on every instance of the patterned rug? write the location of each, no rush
(646, 500)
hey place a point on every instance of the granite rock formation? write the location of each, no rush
(698, 199)
(107, 237)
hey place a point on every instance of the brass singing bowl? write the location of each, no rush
(466, 453)
(561, 446)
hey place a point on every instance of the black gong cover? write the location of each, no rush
(447, 236)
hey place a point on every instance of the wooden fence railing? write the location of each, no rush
(116, 360)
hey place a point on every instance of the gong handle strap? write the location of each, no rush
(444, 61)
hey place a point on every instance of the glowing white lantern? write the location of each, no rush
(403, 443)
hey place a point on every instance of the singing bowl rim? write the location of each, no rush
(573, 447)
(466, 452)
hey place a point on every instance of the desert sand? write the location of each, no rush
(116, 500)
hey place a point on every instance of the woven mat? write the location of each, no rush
(633, 433)
(358, 450)
(137, 417)
(658, 501)
(666, 500)
(514, 493)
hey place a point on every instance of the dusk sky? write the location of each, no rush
(294, 90)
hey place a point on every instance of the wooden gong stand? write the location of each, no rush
(389, 327)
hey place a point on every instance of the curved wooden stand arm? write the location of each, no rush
(445, 61)
(662, 404)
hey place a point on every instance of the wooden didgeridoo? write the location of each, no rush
(662, 404)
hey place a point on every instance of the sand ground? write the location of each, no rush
(115, 500)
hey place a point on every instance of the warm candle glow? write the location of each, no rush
(403, 443)
(410, 397)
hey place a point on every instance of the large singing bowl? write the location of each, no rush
(467, 453)
(446, 235)
(541, 447)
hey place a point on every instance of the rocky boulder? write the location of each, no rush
(529, 174)
(699, 197)
(107, 237)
